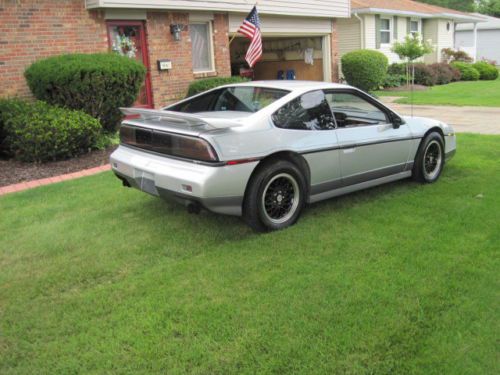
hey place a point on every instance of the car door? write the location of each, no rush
(307, 126)
(371, 145)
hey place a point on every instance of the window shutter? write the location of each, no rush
(377, 31)
(408, 29)
(395, 27)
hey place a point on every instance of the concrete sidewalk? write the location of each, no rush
(484, 120)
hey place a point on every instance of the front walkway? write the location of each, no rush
(484, 120)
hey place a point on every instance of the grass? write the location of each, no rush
(401, 279)
(476, 93)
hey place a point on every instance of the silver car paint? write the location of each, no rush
(340, 160)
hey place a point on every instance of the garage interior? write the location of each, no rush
(283, 58)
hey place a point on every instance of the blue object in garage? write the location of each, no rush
(281, 74)
(290, 74)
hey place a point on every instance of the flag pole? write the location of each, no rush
(234, 36)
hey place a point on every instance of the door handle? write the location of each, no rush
(349, 150)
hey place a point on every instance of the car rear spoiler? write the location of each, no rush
(178, 119)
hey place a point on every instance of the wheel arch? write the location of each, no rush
(295, 158)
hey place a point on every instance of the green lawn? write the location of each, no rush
(400, 279)
(477, 93)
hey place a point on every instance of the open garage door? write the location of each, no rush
(283, 58)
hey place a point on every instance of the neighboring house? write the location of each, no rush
(487, 38)
(377, 24)
(193, 35)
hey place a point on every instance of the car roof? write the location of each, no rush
(291, 84)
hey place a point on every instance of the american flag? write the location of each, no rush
(251, 29)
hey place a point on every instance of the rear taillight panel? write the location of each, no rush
(172, 144)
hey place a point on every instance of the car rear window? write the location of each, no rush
(238, 98)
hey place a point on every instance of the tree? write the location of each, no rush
(490, 7)
(410, 50)
(463, 5)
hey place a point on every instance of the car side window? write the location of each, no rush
(307, 112)
(351, 110)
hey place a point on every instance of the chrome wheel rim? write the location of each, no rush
(280, 198)
(433, 157)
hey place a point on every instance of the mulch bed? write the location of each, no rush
(13, 172)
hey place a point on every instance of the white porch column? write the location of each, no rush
(474, 44)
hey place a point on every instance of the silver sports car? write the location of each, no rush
(262, 150)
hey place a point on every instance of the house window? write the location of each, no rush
(414, 27)
(385, 30)
(201, 45)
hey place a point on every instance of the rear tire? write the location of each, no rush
(275, 196)
(429, 161)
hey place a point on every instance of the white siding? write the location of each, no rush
(348, 35)
(437, 32)
(487, 43)
(431, 34)
(91, 3)
(370, 39)
(309, 8)
(285, 25)
(445, 36)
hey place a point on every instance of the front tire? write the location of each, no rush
(429, 161)
(275, 196)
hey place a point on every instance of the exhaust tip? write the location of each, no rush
(193, 207)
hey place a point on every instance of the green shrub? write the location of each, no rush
(445, 73)
(486, 70)
(205, 84)
(9, 108)
(97, 84)
(397, 68)
(364, 69)
(425, 75)
(394, 80)
(468, 72)
(38, 132)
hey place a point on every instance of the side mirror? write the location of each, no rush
(397, 121)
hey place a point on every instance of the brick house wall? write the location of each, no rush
(35, 29)
(169, 86)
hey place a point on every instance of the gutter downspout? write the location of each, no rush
(362, 28)
(475, 41)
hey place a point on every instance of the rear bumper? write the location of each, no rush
(217, 188)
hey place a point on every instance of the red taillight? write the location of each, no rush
(168, 143)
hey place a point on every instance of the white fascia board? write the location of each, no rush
(456, 17)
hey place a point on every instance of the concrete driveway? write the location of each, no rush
(484, 120)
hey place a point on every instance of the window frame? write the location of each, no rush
(412, 32)
(390, 115)
(308, 130)
(211, 51)
(389, 31)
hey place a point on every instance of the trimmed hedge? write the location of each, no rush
(97, 84)
(394, 80)
(445, 73)
(425, 75)
(38, 132)
(205, 84)
(365, 69)
(468, 72)
(486, 70)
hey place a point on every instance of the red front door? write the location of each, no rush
(128, 38)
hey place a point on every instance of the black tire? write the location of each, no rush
(429, 161)
(275, 196)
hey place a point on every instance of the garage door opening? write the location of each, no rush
(301, 58)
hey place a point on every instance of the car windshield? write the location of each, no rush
(238, 98)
